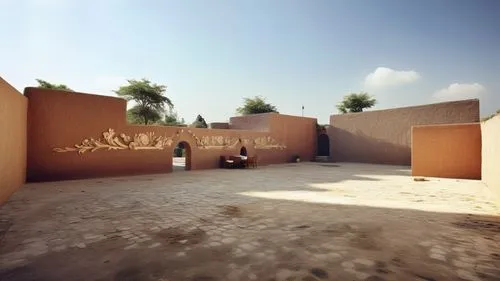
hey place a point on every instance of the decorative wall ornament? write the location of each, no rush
(110, 141)
(267, 143)
(197, 140)
(149, 141)
(248, 142)
(218, 142)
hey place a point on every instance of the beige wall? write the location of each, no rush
(13, 110)
(384, 136)
(447, 151)
(490, 131)
(59, 119)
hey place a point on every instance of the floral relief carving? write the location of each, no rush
(267, 143)
(111, 141)
(248, 142)
(198, 141)
(218, 142)
(149, 141)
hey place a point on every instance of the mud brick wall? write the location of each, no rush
(384, 136)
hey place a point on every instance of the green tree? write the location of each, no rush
(356, 102)
(47, 85)
(150, 100)
(172, 119)
(256, 105)
(199, 122)
(143, 115)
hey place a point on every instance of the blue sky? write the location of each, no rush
(212, 54)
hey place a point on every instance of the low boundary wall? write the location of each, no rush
(447, 151)
(384, 136)
(13, 112)
(75, 135)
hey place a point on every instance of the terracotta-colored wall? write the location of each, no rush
(490, 131)
(447, 151)
(219, 125)
(13, 111)
(299, 133)
(255, 122)
(59, 119)
(384, 136)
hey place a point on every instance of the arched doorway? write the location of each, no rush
(181, 157)
(243, 151)
(323, 145)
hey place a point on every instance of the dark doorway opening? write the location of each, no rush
(243, 151)
(181, 158)
(323, 145)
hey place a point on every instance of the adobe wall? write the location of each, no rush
(447, 151)
(219, 125)
(254, 122)
(299, 134)
(384, 136)
(13, 112)
(490, 131)
(59, 120)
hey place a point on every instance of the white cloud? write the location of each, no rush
(458, 91)
(384, 77)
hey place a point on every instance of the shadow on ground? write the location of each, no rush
(230, 236)
(388, 244)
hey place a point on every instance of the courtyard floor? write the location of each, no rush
(178, 164)
(302, 222)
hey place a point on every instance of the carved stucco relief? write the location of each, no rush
(219, 142)
(111, 141)
(267, 143)
(149, 141)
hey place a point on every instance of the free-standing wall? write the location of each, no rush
(13, 110)
(59, 120)
(447, 151)
(490, 131)
(384, 136)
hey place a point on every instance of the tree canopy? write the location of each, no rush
(172, 119)
(199, 122)
(256, 105)
(356, 102)
(143, 115)
(150, 100)
(47, 85)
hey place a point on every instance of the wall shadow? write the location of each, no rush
(384, 136)
(360, 147)
(381, 243)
